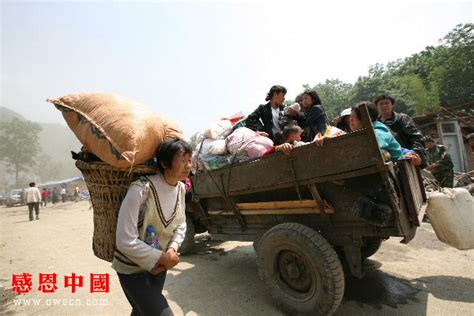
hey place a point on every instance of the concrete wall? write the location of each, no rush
(470, 153)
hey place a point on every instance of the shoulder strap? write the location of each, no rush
(145, 183)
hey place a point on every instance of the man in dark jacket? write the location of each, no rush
(403, 128)
(265, 118)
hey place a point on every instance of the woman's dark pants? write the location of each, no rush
(144, 292)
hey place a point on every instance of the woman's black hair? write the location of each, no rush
(385, 97)
(273, 90)
(314, 97)
(168, 150)
(371, 107)
(278, 138)
(299, 98)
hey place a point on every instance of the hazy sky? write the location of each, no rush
(197, 61)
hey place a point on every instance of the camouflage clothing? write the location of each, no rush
(443, 173)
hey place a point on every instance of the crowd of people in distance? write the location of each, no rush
(34, 197)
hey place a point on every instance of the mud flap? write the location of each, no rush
(353, 255)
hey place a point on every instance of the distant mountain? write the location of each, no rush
(7, 115)
(56, 141)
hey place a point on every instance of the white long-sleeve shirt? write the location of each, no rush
(32, 195)
(127, 237)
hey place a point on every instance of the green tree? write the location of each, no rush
(367, 88)
(456, 86)
(438, 75)
(411, 95)
(446, 70)
(335, 95)
(19, 144)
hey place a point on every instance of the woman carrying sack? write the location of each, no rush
(150, 228)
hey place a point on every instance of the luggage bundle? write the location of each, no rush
(122, 136)
(212, 151)
(451, 212)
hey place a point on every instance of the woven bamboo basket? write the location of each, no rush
(107, 187)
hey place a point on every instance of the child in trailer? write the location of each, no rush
(291, 134)
(150, 229)
(286, 140)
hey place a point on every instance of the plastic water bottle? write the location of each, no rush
(151, 238)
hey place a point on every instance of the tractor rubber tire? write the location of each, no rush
(301, 270)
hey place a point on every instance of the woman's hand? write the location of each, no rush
(285, 148)
(432, 166)
(168, 260)
(259, 133)
(157, 269)
(319, 140)
(292, 113)
(415, 159)
(173, 258)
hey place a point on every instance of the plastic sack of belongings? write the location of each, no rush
(211, 151)
(242, 144)
(246, 142)
(226, 142)
(451, 213)
(120, 131)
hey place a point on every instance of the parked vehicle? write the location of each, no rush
(16, 197)
(310, 213)
(3, 199)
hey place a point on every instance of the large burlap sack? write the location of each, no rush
(120, 131)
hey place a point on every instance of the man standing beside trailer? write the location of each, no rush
(439, 163)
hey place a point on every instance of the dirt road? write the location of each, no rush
(424, 277)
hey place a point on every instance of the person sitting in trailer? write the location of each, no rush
(291, 134)
(385, 139)
(343, 121)
(403, 129)
(265, 119)
(313, 118)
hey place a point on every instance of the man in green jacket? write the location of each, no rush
(439, 162)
